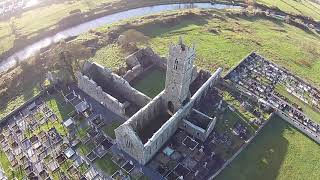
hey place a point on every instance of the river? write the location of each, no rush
(85, 27)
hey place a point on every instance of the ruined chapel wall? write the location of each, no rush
(91, 88)
(192, 129)
(128, 141)
(133, 73)
(196, 131)
(123, 87)
(147, 113)
(204, 88)
(165, 132)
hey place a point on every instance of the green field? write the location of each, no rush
(225, 41)
(302, 7)
(25, 27)
(107, 165)
(279, 152)
(152, 82)
(110, 56)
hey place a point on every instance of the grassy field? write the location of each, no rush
(302, 7)
(47, 17)
(152, 83)
(225, 125)
(7, 168)
(110, 56)
(279, 152)
(307, 109)
(225, 41)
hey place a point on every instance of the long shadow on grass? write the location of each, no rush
(279, 23)
(263, 157)
(160, 28)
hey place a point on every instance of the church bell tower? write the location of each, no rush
(178, 75)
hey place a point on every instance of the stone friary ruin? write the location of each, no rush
(151, 122)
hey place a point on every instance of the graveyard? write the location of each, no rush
(59, 136)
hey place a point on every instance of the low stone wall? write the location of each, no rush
(299, 126)
(146, 57)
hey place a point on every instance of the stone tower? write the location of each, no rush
(179, 75)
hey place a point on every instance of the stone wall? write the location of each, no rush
(197, 131)
(121, 86)
(126, 134)
(165, 133)
(145, 57)
(91, 88)
(307, 131)
(133, 73)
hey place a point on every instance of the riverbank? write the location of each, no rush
(44, 30)
(22, 31)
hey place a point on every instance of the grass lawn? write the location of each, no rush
(151, 82)
(29, 90)
(81, 133)
(107, 165)
(47, 126)
(230, 99)
(307, 109)
(109, 129)
(303, 7)
(279, 152)
(83, 168)
(39, 115)
(110, 56)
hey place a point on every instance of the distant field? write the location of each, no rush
(225, 42)
(279, 152)
(29, 23)
(303, 7)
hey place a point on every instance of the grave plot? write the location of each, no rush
(190, 143)
(128, 166)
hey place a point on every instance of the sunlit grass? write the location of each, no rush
(279, 152)
(110, 56)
